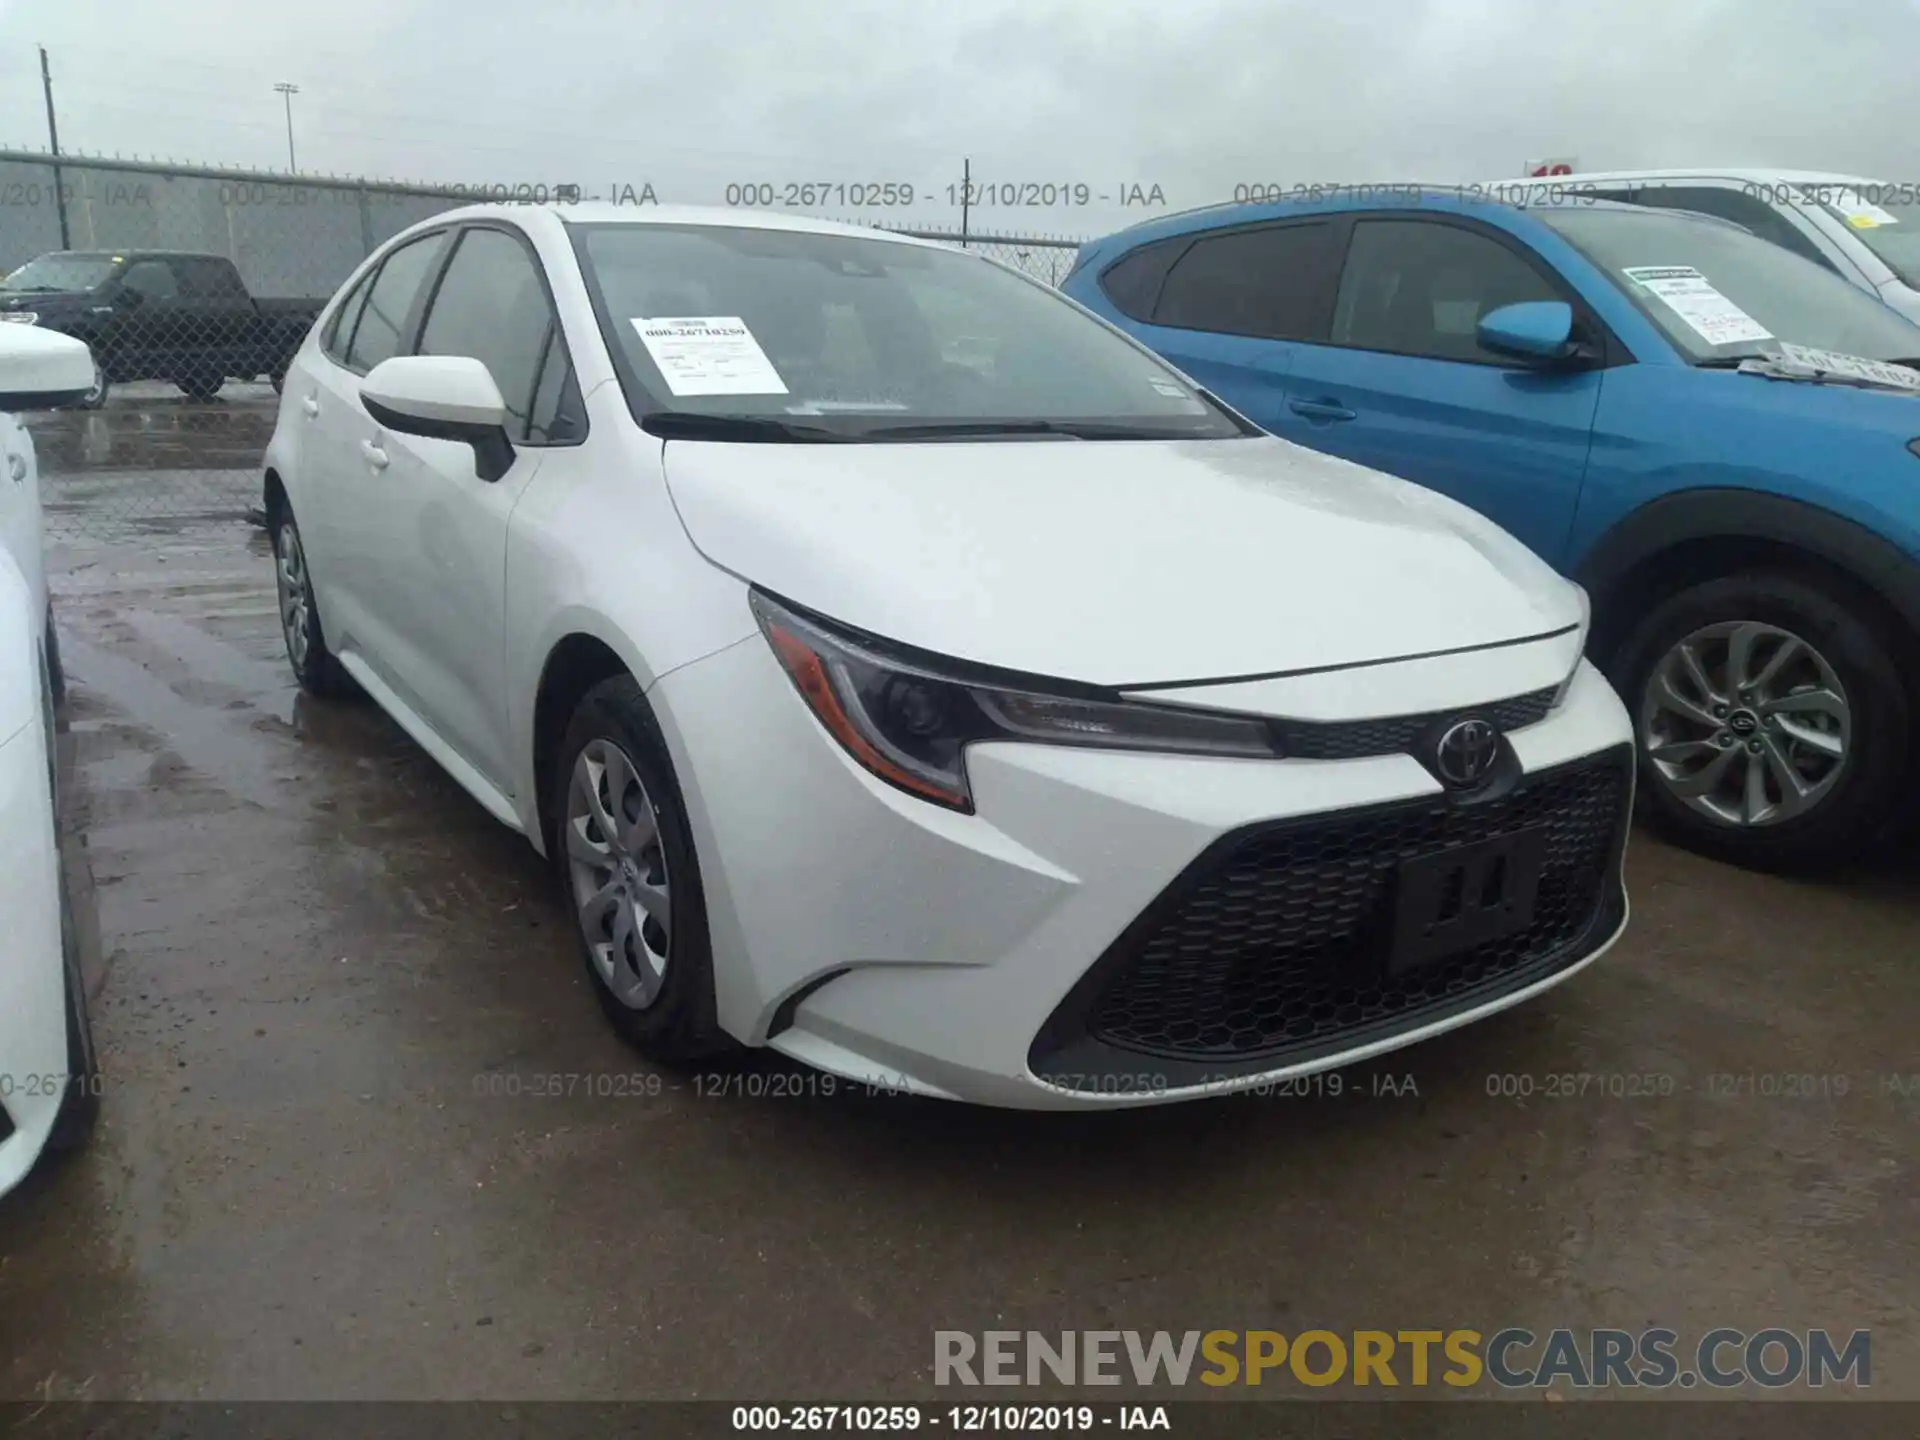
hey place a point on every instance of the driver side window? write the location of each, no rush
(1419, 287)
(151, 280)
(492, 306)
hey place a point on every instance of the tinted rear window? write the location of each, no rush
(1269, 282)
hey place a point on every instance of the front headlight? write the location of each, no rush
(1586, 625)
(910, 725)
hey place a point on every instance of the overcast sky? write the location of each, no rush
(1194, 97)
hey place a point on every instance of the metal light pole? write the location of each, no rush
(53, 144)
(289, 91)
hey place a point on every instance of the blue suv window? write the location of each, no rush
(1269, 283)
(1133, 282)
(1417, 287)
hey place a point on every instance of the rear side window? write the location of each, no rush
(1269, 283)
(380, 328)
(492, 306)
(345, 316)
(1133, 283)
(1419, 287)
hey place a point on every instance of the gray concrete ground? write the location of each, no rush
(320, 968)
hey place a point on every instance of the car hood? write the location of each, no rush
(1116, 563)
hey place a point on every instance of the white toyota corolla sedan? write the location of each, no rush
(907, 671)
(49, 1090)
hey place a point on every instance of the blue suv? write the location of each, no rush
(1716, 437)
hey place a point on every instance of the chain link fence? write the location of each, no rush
(194, 287)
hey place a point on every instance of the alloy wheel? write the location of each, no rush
(290, 577)
(619, 874)
(1747, 723)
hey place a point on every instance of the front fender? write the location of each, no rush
(1708, 513)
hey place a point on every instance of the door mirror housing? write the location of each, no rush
(1539, 332)
(42, 369)
(442, 397)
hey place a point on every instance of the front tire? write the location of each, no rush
(314, 665)
(1773, 728)
(95, 398)
(625, 859)
(80, 1104)
(56, 669)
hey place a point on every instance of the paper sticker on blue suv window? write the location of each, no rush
(1708, 313)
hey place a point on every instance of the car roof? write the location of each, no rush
(1698, 172)
(142, 251)
(1410, 195)
(602, 212)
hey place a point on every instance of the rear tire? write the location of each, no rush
(201, 387)
(1824, 720)
(314, 665)
(631, 879)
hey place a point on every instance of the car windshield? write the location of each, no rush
(51, 273)
(1886, 225)
(1721, 293)
(838, 336)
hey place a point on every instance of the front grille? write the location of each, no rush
(1352, 739)
(1271, 946)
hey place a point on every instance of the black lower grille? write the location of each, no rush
(1352, 739)
(1270, 949)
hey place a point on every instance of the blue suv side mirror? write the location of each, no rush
(1539, 331)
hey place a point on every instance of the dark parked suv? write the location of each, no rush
(159, 315)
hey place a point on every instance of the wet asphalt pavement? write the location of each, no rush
(327, 986)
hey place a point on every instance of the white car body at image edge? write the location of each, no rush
(898, 750)
(47, 1094)
(1866, 231)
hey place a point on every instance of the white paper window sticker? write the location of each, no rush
(1861, 213)
(1190, 403)
(1710, 315)
(708, 355)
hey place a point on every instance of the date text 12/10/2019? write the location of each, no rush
(983, 195)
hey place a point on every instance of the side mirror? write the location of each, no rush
(42, 369)
(126, 295)
(1539, 332)
(442, 397)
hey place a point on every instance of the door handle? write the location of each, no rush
(17, 468)
(311, 406)
(1325, 411)
(376, 457)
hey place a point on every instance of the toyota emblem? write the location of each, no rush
(1466, 752)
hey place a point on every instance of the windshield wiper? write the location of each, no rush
(1070, 429)
(31, 290)
(754, 429)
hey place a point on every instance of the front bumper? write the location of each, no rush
(33, 1033)
(918, 950)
